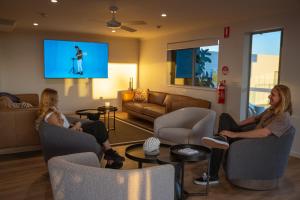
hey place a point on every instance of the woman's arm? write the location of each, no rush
(55, 119)
(257, 133)
(76, 126)
(247, 121)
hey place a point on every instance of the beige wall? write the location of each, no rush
(233, 53)
(21, 66)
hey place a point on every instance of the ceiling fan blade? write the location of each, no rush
(96, 21)
(136, 22)
(126, 28)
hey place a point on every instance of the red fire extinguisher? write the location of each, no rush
(221, 92)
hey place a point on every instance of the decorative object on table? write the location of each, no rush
(189, 152)
(151, 146)
(140, 95)
(130, 83)
(107, 104)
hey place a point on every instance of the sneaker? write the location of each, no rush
(203, 180)
(218, 142)
(111, 154)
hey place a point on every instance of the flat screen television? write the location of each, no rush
(73, 59)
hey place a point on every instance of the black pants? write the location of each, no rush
(97, 129)
(226, 122)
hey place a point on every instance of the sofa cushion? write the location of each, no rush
(156, 97)
(140, 95)
(175, 102)
(135, 106)
(154, 110)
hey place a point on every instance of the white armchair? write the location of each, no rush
(185, 126)
(79, 176)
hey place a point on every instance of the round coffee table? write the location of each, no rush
(169, 155)
(91, 114)
(204, 153)
(136, 152)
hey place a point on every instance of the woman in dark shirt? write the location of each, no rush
(274, 120)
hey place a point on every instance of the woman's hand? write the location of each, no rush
(77, 127)
(228, 134)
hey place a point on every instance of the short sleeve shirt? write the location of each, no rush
(278, 124)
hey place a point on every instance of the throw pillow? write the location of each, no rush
(14, 98)
(22, 105)
(140, 95)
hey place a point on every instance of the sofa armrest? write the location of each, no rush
(205, 126)
(263, 158)
(127, 95)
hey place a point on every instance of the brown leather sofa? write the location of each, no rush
(17, 127)
(158, 103)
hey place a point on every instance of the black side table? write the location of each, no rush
(175, 156)
(107, 110)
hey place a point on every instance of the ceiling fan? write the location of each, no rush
(114, 24)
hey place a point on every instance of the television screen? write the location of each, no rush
(72, 59)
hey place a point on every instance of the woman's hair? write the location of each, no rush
(48, 102)
(285, 104)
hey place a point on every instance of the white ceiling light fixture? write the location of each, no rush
(113, 31)
(35, 24)
(163, 15)
(54, 1)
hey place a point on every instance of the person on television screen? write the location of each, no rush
(49, 113)
(79, 56)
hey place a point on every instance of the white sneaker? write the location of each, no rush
(217, 142)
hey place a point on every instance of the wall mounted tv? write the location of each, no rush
(73, 59)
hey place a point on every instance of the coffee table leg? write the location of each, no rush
(114, 128)
(140, 164)
(182, 196)
(108, 117)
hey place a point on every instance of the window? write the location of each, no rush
(194, 66)
(264, 68)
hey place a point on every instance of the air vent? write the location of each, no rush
(7, 25)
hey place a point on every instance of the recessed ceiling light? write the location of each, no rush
(54, 1)
(113, 31)
(163, 14)
(35, 24)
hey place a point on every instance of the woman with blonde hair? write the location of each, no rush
(49, 113)
(274, 120)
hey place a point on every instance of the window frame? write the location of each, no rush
(193, 86)
(250, 61)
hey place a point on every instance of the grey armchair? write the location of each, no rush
(78, 176)
(58, 141)
(186, 125)
(259, 163)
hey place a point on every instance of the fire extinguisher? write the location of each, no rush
(221, 92)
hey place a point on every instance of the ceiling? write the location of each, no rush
(89, 16)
